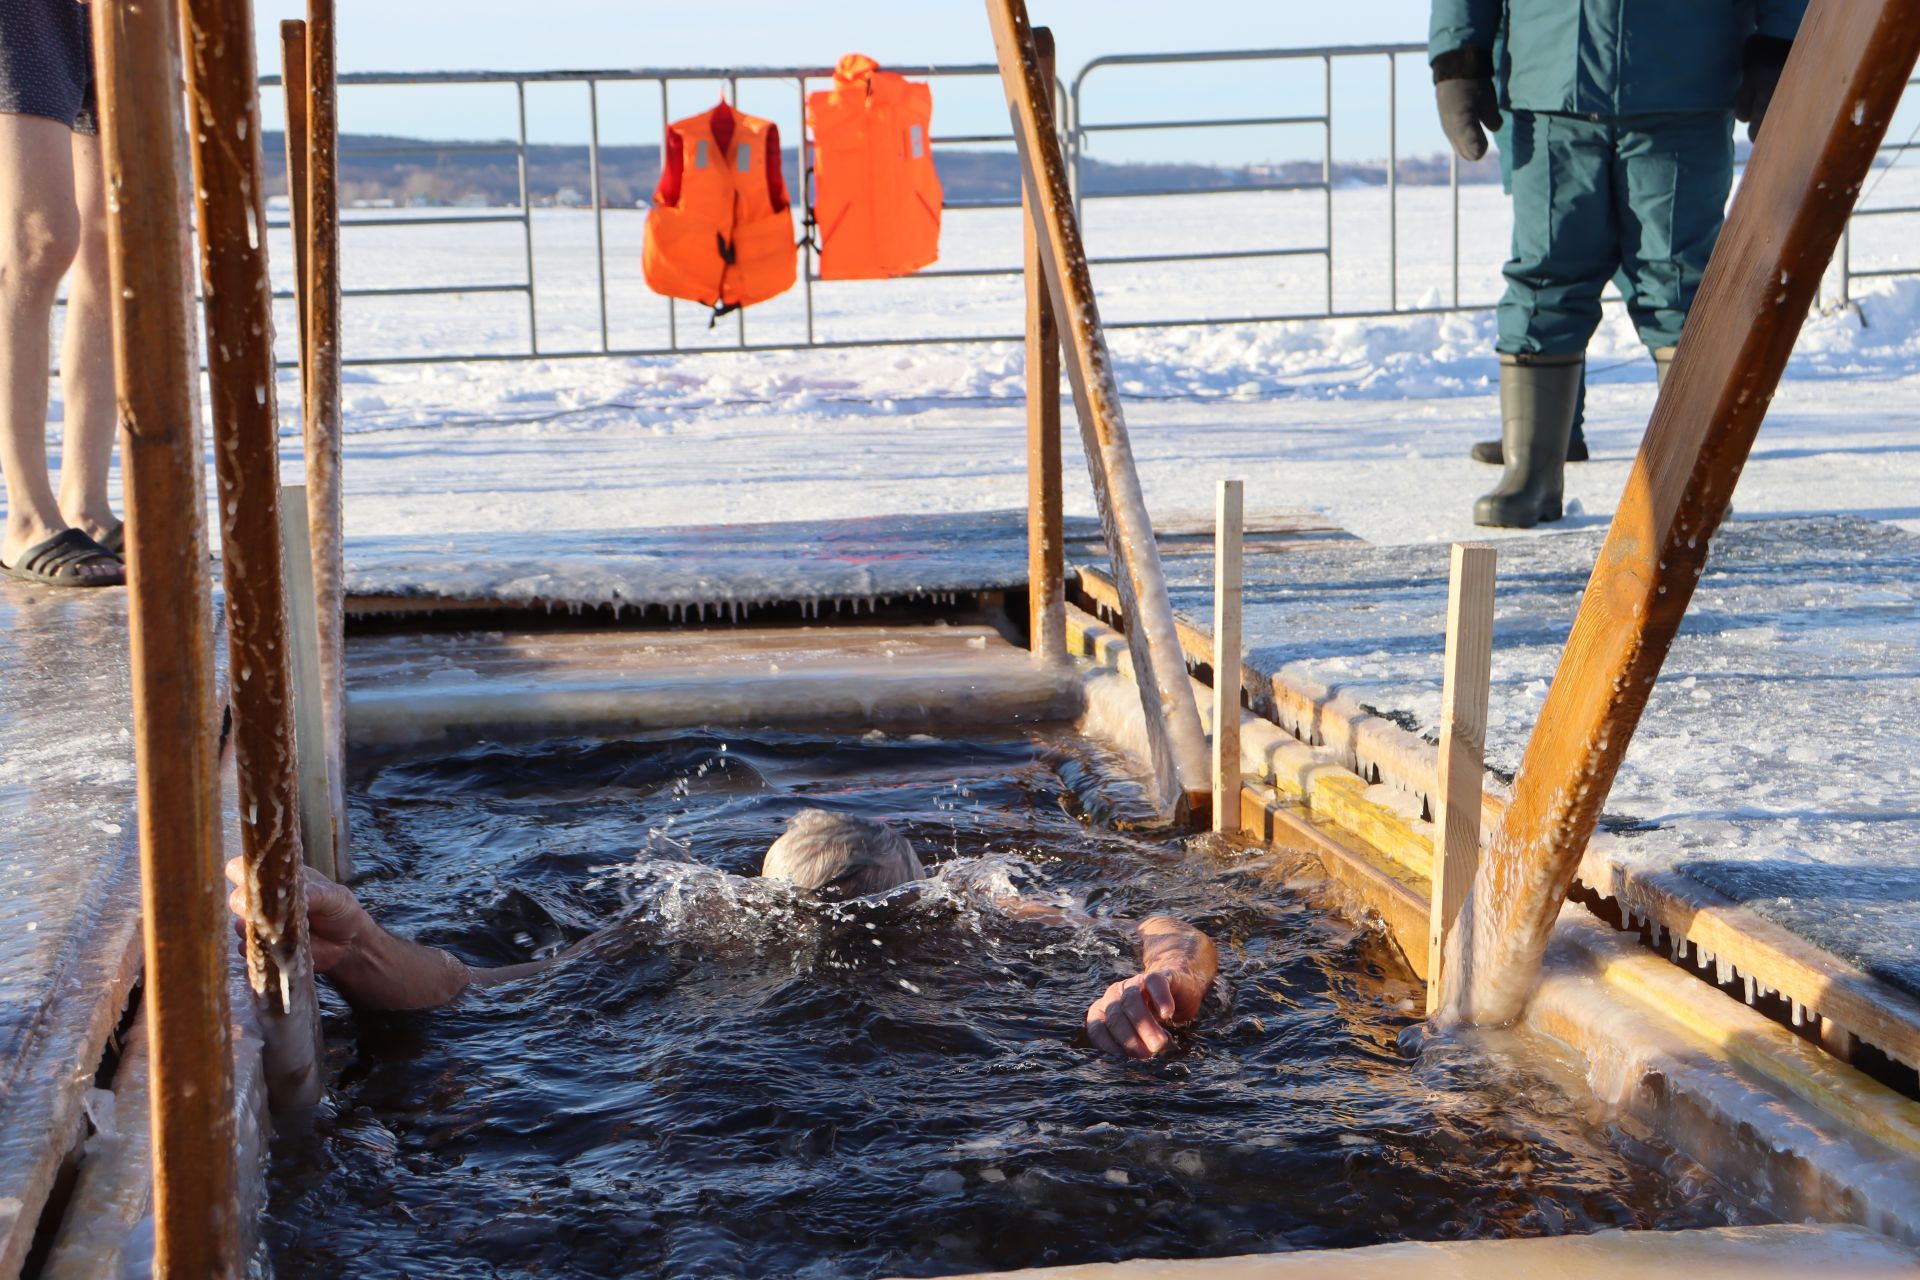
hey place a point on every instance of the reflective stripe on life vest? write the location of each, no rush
(720, 231)
(876, 194)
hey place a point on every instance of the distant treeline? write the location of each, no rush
(380, 169)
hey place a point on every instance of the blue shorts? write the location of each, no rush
(46, 62)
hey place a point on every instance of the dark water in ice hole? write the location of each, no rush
(747, 1085)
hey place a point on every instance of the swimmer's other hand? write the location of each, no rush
(372, 968)
(1133, 1017)
(336, 922)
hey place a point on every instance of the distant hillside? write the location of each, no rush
(379, 169)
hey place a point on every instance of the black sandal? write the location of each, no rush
(115, 540)
(60, 561)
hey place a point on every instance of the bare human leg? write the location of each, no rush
(86, 356)
(39, 235)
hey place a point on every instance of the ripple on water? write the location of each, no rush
(742, 1082)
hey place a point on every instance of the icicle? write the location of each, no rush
(1722, 972)
(1799, 1013)
(1749, 986)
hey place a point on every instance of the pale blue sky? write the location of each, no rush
(395, 35)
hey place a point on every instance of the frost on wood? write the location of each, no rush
(831, 567)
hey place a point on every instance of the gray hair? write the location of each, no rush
(840, 856)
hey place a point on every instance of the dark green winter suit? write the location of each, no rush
(1621, 147)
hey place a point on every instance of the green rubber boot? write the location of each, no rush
(1488, 451)
(1537, 400)
(1663, 363)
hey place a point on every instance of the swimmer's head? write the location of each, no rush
(839, 856)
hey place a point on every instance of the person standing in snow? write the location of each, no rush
(1622, 159)
(53, 215)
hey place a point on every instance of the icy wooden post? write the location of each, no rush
(309, 729)
(321, 411)
(293, 83)
(1849, 66)
(1228, 534)
(1159, 666)
(1463, 744)
(1046, 521)
(224, 110)
(170, 633)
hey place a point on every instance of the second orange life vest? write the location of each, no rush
(876, 195)
(720, 231)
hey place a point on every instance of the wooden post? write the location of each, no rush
(1463, 744)
(1849, 66)
(1160, 669)
(1046, 519)
(309, 727)
(293, 83)
(322, 408)
(170, 633)
(1228, 537)
(224, 114)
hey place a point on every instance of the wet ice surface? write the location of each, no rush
(1778, 761)
(66, 785)
(743, 1084)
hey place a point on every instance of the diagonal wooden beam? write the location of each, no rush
(1849, 67)
(1173, 717)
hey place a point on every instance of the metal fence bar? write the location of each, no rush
(673, 308)
(599, 206)
(417, 290)
(1393, 181)
(806, 203)
(1137, 126)
(1326, 174)
(526, 215)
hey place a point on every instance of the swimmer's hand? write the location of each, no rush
(1177, 965)
(372, 968)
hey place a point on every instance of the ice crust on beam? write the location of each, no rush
(833, 565)
(1778, 758)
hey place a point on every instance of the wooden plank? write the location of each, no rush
(1227, 573)
(116, 1177)
(322, 406)
(229, 186)
(1849, 67)
(1376, 885)
(1046, 518)
(293, 83)
(303, 645)
(170, 624)
(1463, 746)
(1173, 717)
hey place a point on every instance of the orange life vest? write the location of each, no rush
(876, 195)
(720, 231)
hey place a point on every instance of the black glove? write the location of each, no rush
(1463, 84)
(1765, 57)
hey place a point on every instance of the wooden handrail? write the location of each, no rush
(170, 626)
(1179, 744)
(1849, 66)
